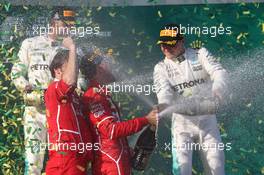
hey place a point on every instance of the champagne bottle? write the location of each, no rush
(144, 147)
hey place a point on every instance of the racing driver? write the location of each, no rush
(31, 76)
(113, 156)
(67, 127)
(190, 73)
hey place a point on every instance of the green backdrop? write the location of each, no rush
(134, 31)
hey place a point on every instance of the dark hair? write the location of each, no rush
(88, 65)
(59, 59)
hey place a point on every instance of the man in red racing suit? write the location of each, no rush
(66, 125)
(113, 156)
(68, 130)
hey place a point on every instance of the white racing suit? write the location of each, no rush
(32, 68)
(197, 74)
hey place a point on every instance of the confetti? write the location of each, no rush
(136, 32)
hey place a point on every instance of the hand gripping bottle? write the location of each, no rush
(144, 147)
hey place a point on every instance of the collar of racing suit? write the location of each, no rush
(178, 59)
(99, 88)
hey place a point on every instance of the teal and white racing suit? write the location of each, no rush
(32, 68)
(195, 74)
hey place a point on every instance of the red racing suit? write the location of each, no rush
(113, 156)
(68, 131)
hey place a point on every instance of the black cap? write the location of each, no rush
(170, 34)
(65, 14)
(89, 62)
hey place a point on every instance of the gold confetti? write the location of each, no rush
(159, 13)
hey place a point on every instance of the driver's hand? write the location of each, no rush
(68, 43)
(217, 94)
(153, 117)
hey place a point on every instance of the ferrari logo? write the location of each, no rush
(262, 27)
